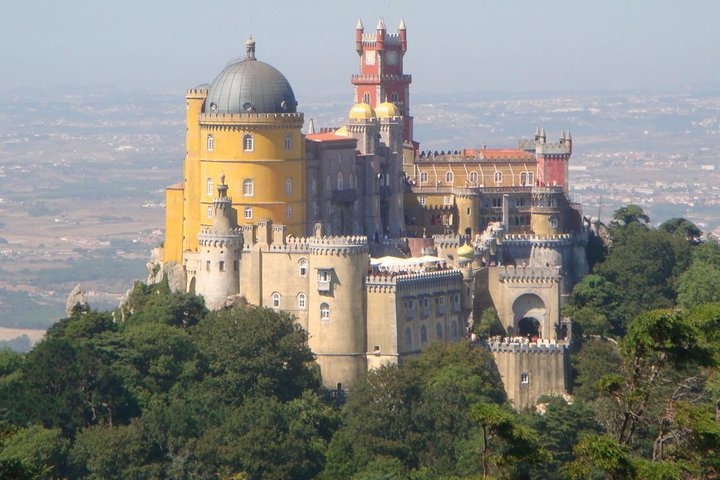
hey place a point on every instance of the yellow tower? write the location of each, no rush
(244, 125)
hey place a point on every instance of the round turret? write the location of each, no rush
(361, 111)
(387, 110)
(465, 252)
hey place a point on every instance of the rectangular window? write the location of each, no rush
(207, 266)
(288, 141)
(248, 213)
(209, 211)
(524, 378)
(221, 266)
(236, 265)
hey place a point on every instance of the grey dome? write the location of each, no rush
(250, 86)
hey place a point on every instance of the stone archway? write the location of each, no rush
(529, 315)
(191, 287)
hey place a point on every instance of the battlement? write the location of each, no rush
(474, 156)
(552, 149)
(515, 274)
(339, 245)
(446, 241)
(280, 120)
(410, 278)
(372, 79)
(523, 346)
(562, 239)
(198, 92)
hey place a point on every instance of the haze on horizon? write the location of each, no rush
(461, 46)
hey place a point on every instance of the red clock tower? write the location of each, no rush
(381, 77)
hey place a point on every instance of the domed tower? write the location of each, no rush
(246, 124)
(220, 247)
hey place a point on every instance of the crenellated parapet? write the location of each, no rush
(390, 282)
(234, 121)
(518, 346)
(549, 241)
(449, 241)
(515, 274)
(339, 245)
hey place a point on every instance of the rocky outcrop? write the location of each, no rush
(76, 297)
(157, 270)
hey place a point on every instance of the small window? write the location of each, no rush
(303, 267)
(209, 211)
(553, 221)
(302, 301)
(408, 337)
(340, 181)
(248, 187)
(531, 178)
(498, 177)
(221, 266)
(313, 185)
(449, 177)
(248, 213)
(454, 329)
(447, 200)
(316, 209)
(423, 334)
(423, 177)
(439, 331)
(376, 348)
(248, 142)
(209, 187)
(473, 177)
(207, 266)
(276, 300)
(366, 98)
(328, 183)
(288, 211)
(210, 143)
(288, 187)
(523, 178)
(394, 97)
(324, 311)
(236, 265)
(288, 141)
(422, 200)
(524, 377)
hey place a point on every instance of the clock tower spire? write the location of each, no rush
(381, 76)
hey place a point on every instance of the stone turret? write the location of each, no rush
(220, 247)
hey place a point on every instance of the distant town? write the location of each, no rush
(82, 174)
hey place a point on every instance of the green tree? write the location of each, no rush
(630, 214)
(255, 351)
(42, 452)
(683, 228)
(601, 457)
(596, 359)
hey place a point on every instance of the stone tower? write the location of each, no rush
(220, 247)
(381, 78)
(336, 322)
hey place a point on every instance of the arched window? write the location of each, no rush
(302, 301)
(210, 142)
(423, 334)
(439, 331)
(324, 311)
(313, 185)
(248, 187)
(248, 213)
(498, 177)
(288, 211)
(408, 337)
(209, 186)
(248, 142)
(422, 200)
(289, 186)
(210, 211)
(454, 329)
(394, 97)
(366, 98)
(328, 183)
(276, 300)
(340, 181)
(473, 177)
(423, 177)
(288, 141)
(303, 267)
(449, 177)
(316, 208)
(523, 178)
(531, 178)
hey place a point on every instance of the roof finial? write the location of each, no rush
(311, 127)
(359, 25)
(402, 24)
(250, 48)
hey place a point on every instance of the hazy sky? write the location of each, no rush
(464, 46)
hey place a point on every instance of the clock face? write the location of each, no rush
(392, 57)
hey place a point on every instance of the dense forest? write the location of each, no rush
(163, 389)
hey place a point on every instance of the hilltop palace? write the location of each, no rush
(376, 247)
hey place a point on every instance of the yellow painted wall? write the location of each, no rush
(173, 224)
(191, 221)
(462, 174)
